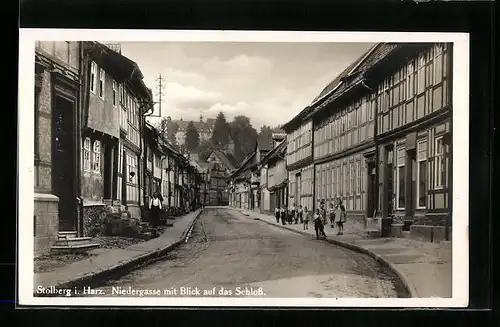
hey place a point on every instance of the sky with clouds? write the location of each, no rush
(268, 82)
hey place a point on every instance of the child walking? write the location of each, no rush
(283, 215)
(318, 225)
(341, 217)
(301, 214)
(305, 221)
(331, 215)
(277, 214)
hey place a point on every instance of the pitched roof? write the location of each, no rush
(120, 67)
(356, 74)
(205, 127)
(224, 159)
(243, 164)
(274, 153)
(332, 86)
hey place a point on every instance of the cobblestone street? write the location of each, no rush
(228, 251)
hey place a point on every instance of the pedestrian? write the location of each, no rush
(306, 219)
(323, 212)
(283, 215)
(318, 225)
(331, 215)
(291, 216)
(277, 213)
(301, 214)
(154, 212)
(341, 213)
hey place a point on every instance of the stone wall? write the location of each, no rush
(46, 222)
(135, 211)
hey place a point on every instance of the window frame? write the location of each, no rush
(438, 162)
(420, 159)
(102, 83)
(93, 77)
(87, 162)
(115, 94)
(399, 165)
(96, 157)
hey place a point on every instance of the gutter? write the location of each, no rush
(86, 75)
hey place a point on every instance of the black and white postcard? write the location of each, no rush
(224, 168)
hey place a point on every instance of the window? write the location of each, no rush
(123, 118)
(358, 176)
(439, 169)
(93, 77)
(131, 167)
(421, 76)
(157, 162)
(400, 177)
(102, 76)
(96, 162)
(421, 174)
(115, 94)
(120, 158)
(86, 154)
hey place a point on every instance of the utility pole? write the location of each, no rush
(160, 85)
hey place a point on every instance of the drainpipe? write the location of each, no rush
(449, 216)
(162, 158)
(86, 75)
(81, 104)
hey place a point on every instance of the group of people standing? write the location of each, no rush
(336, 214)
(155, 207)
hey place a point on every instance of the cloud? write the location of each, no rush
(237, 66)
(184, 97)
(229, 110)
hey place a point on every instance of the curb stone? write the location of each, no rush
(409, 287)
(127, 265)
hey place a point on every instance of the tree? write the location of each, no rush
(244, 137)
(168, 128)
(220, 134)
(266, 134)
(192, 137)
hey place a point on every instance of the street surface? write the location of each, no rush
(230, 252)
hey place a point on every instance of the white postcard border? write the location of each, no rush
(460, 237)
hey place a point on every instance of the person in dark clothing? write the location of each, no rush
(293, 214)
(283, 215)
(154, 212)
(318, 225)
(277, 214)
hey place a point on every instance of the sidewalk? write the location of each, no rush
(82, 272)
(425, 268)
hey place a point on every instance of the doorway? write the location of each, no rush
(63, 161)
(371, 206)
